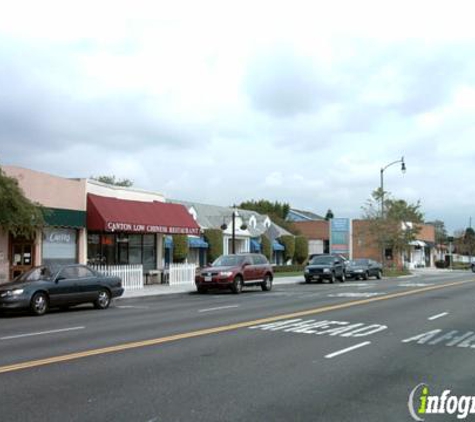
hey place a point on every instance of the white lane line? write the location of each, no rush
(349, 349)
(40, 333)
(131, 307)
(218, 308)
(438, 316)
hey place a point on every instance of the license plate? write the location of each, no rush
(208, 278)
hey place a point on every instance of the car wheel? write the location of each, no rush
(366, 276)
(202, 290)
(332, 278)
(39, 304)
(266, 285)
(103, 300)
(473, 268)
(307, 280)
(237, 285)
(379, 275)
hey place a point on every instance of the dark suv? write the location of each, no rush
(235, 271)
(325, 267)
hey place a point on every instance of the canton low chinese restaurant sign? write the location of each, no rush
(143, 228)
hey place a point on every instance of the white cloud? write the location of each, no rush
(300, 102)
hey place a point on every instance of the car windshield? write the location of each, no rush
(322, 260)
(359, 262)
(35, 274)
(228, 261)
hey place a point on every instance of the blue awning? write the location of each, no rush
(197, 242)
(255, 246)
(168, 242)
(277, 246)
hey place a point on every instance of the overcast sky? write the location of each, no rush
(220, 102)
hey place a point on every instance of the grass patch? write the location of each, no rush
(394, 272)
(289, 274)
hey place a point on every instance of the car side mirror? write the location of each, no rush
(246, 264)
(60, 278)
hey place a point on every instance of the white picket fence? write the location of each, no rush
(131, 275)
(180, 274)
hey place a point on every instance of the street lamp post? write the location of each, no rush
(224, 226)
(403, 169)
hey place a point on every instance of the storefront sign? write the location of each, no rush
(340, 236)
(143, 228)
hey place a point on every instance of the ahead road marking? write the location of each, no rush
(218, 308)
(62, 330)
(215, 330)
(438, 316)
(349, 349)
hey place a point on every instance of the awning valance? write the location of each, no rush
(120, 215)
(277, 246)
(197, 242)
(58, 217)
(255, 245)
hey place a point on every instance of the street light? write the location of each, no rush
(224, 226)
(403, 169)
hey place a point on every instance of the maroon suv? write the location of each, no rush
(235, 271)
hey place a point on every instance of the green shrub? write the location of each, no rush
(214, 237)
(289, 243)
(301, 249)
(288, 268)
(180, 247)
(460, 266)
(266, 248)
(441, 264)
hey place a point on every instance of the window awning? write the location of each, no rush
(197, 242)
(417, 243)
(120, 215)
(277, 246)
(58, 217)
(255, 246)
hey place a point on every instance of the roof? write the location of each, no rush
(307, 215)
(112, 214)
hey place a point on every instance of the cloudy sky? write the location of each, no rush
(220, 102)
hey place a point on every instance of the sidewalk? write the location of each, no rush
(165, 289)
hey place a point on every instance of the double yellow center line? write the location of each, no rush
(214, 330)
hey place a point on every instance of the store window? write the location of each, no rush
(59, 246)
(122, 249)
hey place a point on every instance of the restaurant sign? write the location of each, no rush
(145, 228)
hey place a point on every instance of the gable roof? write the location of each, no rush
(307, 215)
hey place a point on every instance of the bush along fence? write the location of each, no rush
(131, 275)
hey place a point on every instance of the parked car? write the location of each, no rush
(473, 267)
(43, 287)
(364, 269)
(236, 271)
(325, 267)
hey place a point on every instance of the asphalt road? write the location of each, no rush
(352, 351)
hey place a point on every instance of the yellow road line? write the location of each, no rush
(214, 330)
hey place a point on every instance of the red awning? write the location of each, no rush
(120, 215)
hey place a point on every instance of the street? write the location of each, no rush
(349, 351)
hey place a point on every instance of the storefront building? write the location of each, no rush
(129, 232)
(62, 240)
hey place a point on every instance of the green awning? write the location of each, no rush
(65, 218)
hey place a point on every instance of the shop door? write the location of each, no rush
(22, 253)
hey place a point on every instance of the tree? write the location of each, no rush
(301, 249)
(329, 215)
(111, 180)
(465, 242)
(18, 215)
(214, 237)
(289, 243)
(180, 247)
(397, 226)
(266, 247)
